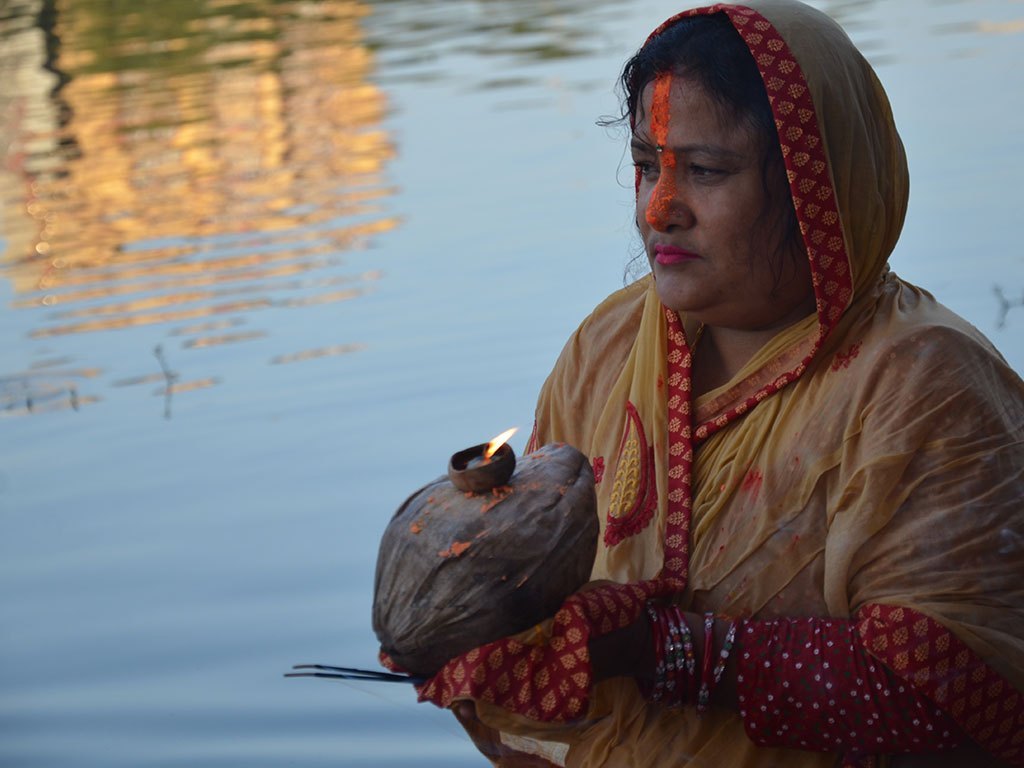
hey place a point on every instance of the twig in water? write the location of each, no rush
(1005, 305)
(169, 378)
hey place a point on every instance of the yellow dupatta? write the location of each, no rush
(871, 454)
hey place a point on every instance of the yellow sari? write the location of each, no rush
(869, 455)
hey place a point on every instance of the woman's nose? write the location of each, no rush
(665, 208)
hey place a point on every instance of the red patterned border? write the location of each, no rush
(810, 183)
(531, 444)
(550, 682)
(937, 663)
(680, 455)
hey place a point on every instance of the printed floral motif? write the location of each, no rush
(936, 662)
(842, 360)
(634, 497)
(680, 454)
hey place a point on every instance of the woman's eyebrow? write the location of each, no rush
(641, 145)
(712, 150)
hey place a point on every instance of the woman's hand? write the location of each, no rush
(629, 652)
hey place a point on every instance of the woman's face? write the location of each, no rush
(709, 230)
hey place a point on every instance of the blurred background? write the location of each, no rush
(265, 264)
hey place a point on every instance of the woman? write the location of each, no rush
(786, 436)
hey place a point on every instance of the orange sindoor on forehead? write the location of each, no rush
(659, 207)
(660, 108)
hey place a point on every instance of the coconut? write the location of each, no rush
(457, 569)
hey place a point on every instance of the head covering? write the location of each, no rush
(839, 142)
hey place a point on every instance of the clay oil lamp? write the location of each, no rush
(483, 467)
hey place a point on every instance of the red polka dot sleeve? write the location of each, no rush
(810, 684)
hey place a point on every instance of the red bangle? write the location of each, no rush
(658, 688)
(723, 656)
(673, 658)
(690, 659)
(707, 664)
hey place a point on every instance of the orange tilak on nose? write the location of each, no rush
(659, 207)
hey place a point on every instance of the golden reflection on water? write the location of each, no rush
(313, 354)
(187, 159)
(198, 161)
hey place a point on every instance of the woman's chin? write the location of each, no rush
(679, 298)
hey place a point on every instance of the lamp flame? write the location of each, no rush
(498, 441)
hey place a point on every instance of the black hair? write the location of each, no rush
(709, 50)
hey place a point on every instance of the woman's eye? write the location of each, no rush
(704, 171)
(645, 167)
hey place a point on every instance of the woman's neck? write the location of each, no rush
(722, 352)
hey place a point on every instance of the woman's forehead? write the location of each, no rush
(691, 111)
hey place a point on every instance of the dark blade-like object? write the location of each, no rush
(351, 673)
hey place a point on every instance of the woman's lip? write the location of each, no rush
(670, 254)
